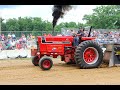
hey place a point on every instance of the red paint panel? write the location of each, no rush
(88, 38)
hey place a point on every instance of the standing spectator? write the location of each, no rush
(116, 37)
(119, 38)
(110, 34)
(105, 35)
(1, 46)
(13, 36)
(49, 34)
(23, 38)
(69, 33)
(2, 37)
(9, 35)
(93, 34)
(44, 34)
(28, 37)
(98, 33)
(21, 42)
(31, 36)
(85, 33)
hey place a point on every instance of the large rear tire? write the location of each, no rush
(45, 63)
(88, 55)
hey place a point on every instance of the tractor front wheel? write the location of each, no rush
(45, 63)
(35, 60)
(88, 55)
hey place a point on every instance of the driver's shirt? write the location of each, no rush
(81, 33)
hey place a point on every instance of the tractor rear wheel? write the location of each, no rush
(88, 55)
(35, 60)
(45, 63)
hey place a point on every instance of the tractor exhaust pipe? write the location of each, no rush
(90, 31)
(53, 32)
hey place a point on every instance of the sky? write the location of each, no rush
(45, 12)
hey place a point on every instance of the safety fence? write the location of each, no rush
(26, 33)
(39, 33)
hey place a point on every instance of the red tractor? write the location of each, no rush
(88, 54)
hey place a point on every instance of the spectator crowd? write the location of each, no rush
(11, 42)
(102, 37)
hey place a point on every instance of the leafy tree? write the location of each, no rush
(12, 25)
(105, 17)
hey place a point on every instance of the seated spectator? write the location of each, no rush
(8, 44)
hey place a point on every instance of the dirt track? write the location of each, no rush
(20, 72)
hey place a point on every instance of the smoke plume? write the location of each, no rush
(59, 11)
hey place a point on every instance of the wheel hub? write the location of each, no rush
(90, 55)
(46, 64)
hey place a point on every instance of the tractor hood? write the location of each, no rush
(56, 38)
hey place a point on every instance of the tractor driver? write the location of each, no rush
(72, 33)
(78, 36)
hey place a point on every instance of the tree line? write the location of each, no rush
(34, 24)
(103, 17)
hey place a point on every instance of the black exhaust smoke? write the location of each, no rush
(58, 12)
